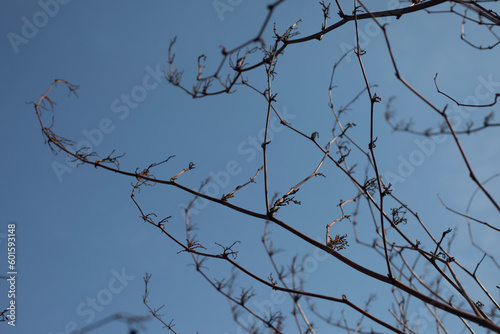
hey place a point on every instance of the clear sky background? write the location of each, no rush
(80, 237)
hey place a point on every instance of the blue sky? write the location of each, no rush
(80, 239)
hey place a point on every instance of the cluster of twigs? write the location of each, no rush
(403, 255)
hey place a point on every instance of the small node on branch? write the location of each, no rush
(338, 243)
(387, 190)
(190, 167)
(272, 280)
(227, 251)
(285, 200)
(376, 99)
(245, 295)
(191, 246)
(201, 58)
(225, 197)
(370, 186)
(359, 52)
(398, 216)
(71, 88)
(326, 13)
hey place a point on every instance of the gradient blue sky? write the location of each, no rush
(79, 234)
